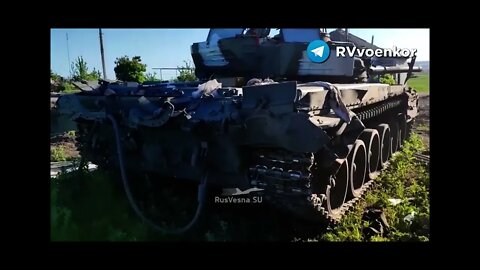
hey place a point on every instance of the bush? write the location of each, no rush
(387, 79)
(57, 153)
(59, 84)
(130, 70)
(68, 88)
(55, 77)
(149, 77)
(80, 71)
(187, 73)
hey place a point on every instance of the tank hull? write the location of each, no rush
(286, 140)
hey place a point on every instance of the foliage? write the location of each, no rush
(61, 226)
(78, 215)
(151, 77)
(92, 206)
(387, 79)
(57, 153)
(80, 71)
(404, 179)
(55, 77)
(68, 88)
(421, 82)
(187, 73)
(60, 84)
(130, 70)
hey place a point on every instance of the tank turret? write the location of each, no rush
(253, 53)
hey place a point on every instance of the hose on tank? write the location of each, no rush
(200, 197)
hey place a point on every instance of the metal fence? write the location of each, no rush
(169, 72)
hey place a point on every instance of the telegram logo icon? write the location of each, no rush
(318, 51)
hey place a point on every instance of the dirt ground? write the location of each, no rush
(422, 123)
(67, 142)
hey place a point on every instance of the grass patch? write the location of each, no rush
(423, 127)
(421, 83)
(93, 207)
(69, 88)
(88, 207)
(57, 153)
(404, 179)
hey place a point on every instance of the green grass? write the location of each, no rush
(93, 207)
(88, 207)
(421, 83)
(57, 153)
(404, 179)
(69, 88)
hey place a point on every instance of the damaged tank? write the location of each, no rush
(309, 137)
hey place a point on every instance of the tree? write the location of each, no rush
(187, 73)
(60, 84)
(149, 77)
(55, 77)
(80, 71)
(130, 70)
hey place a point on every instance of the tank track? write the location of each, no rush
(288, 179)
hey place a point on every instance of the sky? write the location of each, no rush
(170, 47)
